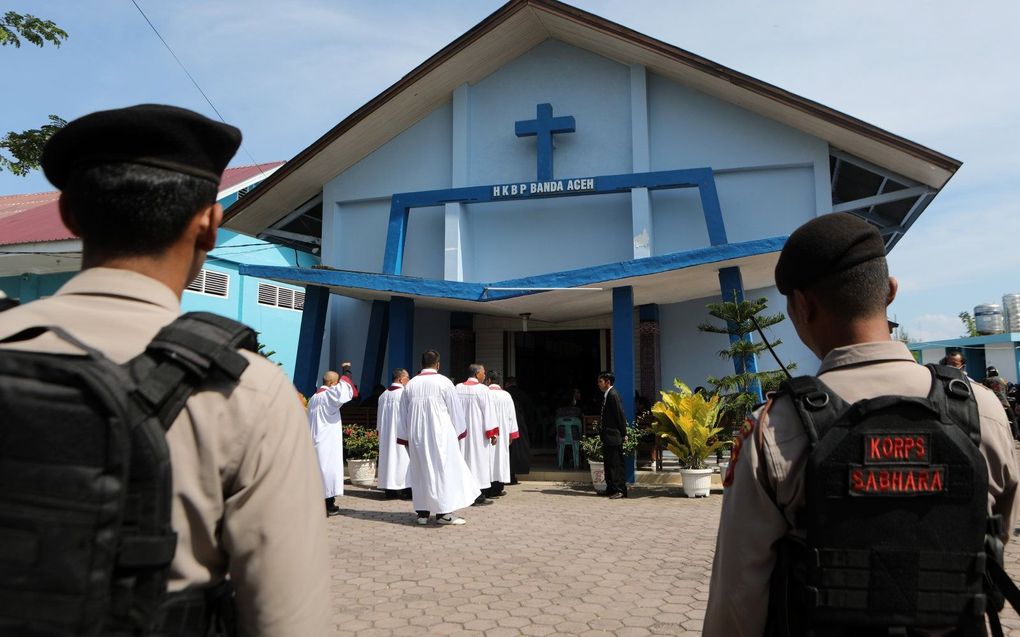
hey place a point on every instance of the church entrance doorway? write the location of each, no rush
(549, 367)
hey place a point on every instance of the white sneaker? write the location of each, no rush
(423, 521)
(451, 519)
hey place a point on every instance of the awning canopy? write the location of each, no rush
(559, 296)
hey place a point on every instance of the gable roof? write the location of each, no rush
(35, 218)
(511, 31)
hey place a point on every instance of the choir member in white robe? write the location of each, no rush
(478, 420)
(440, 481)
(506, 418)
(327, 434)
(394, 464)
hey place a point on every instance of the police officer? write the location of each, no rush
(833, 272)
(139, 186)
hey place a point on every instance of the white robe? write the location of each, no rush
(475, 416)
(506, 418)
(394, 464)
(440, 481)
(327, 434)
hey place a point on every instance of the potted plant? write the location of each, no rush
(591, 445)
(686, 423)
(361, 449)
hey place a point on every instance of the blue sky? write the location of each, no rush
(939, 73)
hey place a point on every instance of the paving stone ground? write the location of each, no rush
(547, 559)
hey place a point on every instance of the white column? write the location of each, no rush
(640, 199)
(456, 224)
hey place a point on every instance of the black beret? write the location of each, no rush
(826, 245)
(155, 135)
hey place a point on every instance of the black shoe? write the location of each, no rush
(513, 482)
(483, 501)
(497, 495)
(405, 494)
(331, 511)
(617, 496)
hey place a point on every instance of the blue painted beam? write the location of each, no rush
(396, 236)
(623, 356)
(313, 323)
(731, 285)
(701, 178)
(375, 347)
(401, 332)
(477, 292)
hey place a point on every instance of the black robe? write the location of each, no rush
(520, 450)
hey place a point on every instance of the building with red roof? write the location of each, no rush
(38, 254)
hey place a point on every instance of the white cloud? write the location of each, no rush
(934, 327)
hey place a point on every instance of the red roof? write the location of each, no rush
(35, 218)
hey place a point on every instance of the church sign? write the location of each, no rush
(543, 187)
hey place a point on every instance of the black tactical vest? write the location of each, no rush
(895, 515)
(85, 482)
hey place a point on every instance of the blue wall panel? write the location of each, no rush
(592, 89)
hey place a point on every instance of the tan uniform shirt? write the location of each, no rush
(247, 490)
(772, 461)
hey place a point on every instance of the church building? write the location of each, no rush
(553, 194)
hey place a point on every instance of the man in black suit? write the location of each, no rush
(614, 433)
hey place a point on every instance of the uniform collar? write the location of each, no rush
(123, 283)
(859, 353)
(471, 381)
(428, 370)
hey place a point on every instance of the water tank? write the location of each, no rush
(1011, 312)
(988, 319)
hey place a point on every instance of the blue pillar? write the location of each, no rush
(309, 351)
(402, 333)
(623, 358)
(731, 286)
(375, 348)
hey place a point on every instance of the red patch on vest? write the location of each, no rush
(745, 432)
(905, 448)
(868, 481)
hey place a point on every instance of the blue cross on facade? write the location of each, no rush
(543, 127)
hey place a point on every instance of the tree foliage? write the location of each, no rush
(24, 150)
(968, 324)
(739, 389)
(34, 30)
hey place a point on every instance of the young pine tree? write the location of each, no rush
(740, 390)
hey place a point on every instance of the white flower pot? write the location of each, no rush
(598, 475)
(697, 482)
(361, 472)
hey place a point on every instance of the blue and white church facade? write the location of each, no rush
(553, 194)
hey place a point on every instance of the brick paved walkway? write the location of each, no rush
(546, 559)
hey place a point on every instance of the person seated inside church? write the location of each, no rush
(570, 405)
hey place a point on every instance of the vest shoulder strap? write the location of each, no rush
(817, 405)
(952, 393)
(197, 347)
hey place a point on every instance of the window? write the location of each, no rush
(210, 282)
(281, 297)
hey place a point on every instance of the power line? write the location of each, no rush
(193, 81)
